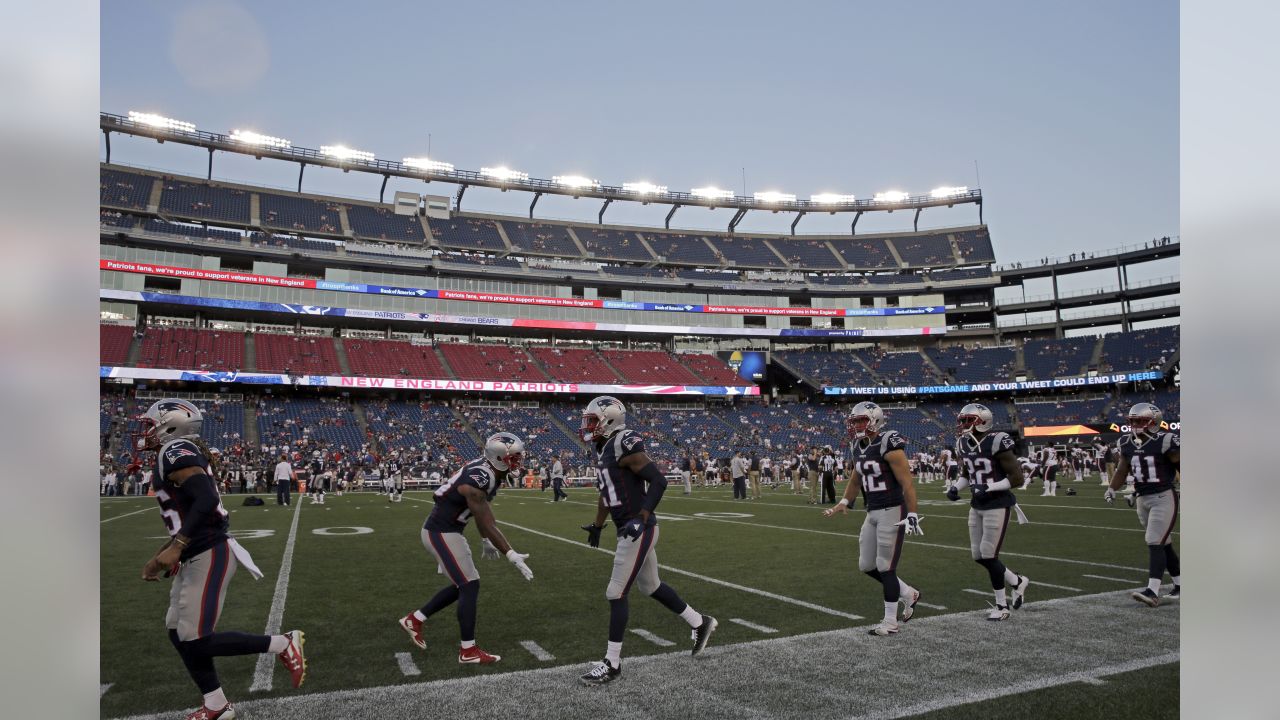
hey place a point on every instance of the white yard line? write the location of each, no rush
(536, 650)
(117, 517)
(660, 642)
(1129, 581)
(407, 666)
(102, 689)
(1059, 587)
(931, 606)
(262, 673)
(758, 628)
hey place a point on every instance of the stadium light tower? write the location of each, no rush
(503, 173)
(427, 164)
(249, 137)
(161, 122)
(342, 153)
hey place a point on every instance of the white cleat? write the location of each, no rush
(1020, 591)
(998, 613)
(909, 604)
(884, 629)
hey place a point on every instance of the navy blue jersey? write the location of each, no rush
(880, 488)
(451, 512)
(621, 490)
(177, 502)
(1149, 461)
(982, 467)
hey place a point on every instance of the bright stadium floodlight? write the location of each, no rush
(772, 196)
(160, 121)
(575, 181)
(249, 137)
(891, 196)
(503, 173)
(711, 193)
(831, 198)
(427, 164)
(946, 192)
(342, 152)
(645, 188)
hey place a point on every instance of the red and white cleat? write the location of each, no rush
(475, 656)
(293, 658)
(204, 713)
(413, 626)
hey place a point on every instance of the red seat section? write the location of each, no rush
(113, 343)
(390, 358)
(492, 362)
(575, 365)
(191, 349)
(297, 355)
(650, 367)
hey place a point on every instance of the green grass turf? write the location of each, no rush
(346, 591)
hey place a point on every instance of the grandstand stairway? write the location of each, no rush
(1019, 362)
(343, 223)
(362, 420)
(251, 436)
(616, 371)
(255, 210)
(955, 249)
(467, 427)
(443, 362)
(582, 249)
(341, 351)
(153, 200)
(506, 241)
(774, 250)
(250, 353)
(135, 352)
(426, 231)
(933, 366)
(802, 377)
(1095, 359)
(839, 258)
(645, 244)
(571, 432)
(894, 252)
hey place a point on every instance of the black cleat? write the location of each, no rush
(601, 673)
(1175, 593)
(1146, 597)
(702, 633)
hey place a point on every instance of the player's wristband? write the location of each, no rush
(512, 555)
(177, 539)
(844, 502)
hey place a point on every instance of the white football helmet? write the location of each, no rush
(974, 417)
(167, 420)
(504, 451)
(1144, 419)
(603, 417)
(866, 418)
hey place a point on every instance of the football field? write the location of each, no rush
(781, 579)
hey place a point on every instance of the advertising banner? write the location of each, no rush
(1002, 386)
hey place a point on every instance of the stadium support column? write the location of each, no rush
(536, 198)
(674, 208)
(457, 201)
(210, 175)
(107, 134)
(737, 218)
(382, 191)
(1126, 305)
(915, 224)
(605, 206)
(301, 166)
(1057, 308)
(799, 215)
(853, 228)
(979, 211)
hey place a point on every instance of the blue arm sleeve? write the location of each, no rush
(657, 486)
(204, 500)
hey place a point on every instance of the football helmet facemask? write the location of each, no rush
(1144, 419)
(504, 452)
(603, 417)
(865, 419)
(974, 417)
(167, 420)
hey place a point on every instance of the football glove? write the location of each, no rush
(979, 491)
(912, 522)
(593, 534)
(488, 551)
(953, 493)
(1109, 496)
(518, 560)
(133, 468)
(633, 529)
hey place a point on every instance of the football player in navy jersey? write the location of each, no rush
(466, 495)
(623, 469)
(880, 466)
(200, 557)
(990, 470)
(1152, 456)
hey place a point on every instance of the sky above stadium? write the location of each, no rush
(1066, 115)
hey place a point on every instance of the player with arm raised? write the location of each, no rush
(201, 557)
(1152, 456)
(623, 470)
(879, 465)
(466, 495)
(991, 471)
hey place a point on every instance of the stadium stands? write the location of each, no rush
(974, 246)
(1058, 358)
(630, 271)
(209, 202)
(405, 425)
(613, 244)
(296, 355)
(924, 250)
(1060, 411)
(1169, 400)
(956, 275)
(124, 189)
(191, 231)
(223, 422)
(1139, 350)
(865, 254)
(192, 349)
(751, 252)
(711, 369)
(383, 224)
(966, 365)
(308, 423)
(391, 358)
(539, 239)
(808, 254)
(541, 436)
(650, 367)
(574, 365)
(492, 362)
(113, 344)
(899, 368)
(827, 368)
(469, 233)
(299, 213)
(111, 218)
(689, 249)
(477, 260)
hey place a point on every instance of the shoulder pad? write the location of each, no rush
(891, 441)
(1169, 442)
(627, 442)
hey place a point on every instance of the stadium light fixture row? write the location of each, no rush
(342, 152)
(946, 192)
(160, 121)
(712, 193)
(772, 196)
(427, 164)
(249, 137)
(645, 188)
(891, 196)
(503, 173)
(575, 181)
(831, 198)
